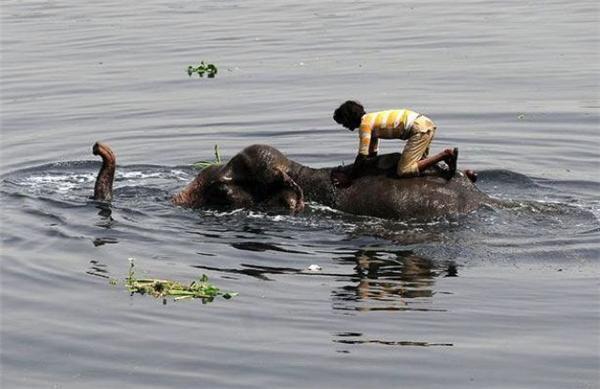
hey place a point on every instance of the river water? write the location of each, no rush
(505, 297)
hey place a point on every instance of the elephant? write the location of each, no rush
(262, 176)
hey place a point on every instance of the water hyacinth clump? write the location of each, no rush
(201, 288)
(204, 68)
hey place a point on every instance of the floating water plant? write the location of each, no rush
(158, 288)
(204, 164)
(204, 68)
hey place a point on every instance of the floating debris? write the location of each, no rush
(314, 267)
(201, 165)
(158, 288)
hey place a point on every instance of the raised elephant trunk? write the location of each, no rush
(103, 190)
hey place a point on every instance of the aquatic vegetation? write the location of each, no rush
(204, 68)
(158, 288)
(200, 165)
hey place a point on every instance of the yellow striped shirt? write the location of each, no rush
(392, 124)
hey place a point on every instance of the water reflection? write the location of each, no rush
(250, 270)
(262, 246)
(106, 222)
(390, 280)
(105, 212)
(97, 269)
(388, 342)
(381, 279)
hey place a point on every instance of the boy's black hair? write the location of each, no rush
(349, 114)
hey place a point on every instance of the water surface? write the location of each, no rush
(504, 297)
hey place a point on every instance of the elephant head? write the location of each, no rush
(258, 175)
(212, 187)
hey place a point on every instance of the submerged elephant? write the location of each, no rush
(261, 175)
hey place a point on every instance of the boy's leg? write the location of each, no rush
(413, 162)
(416, 148)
